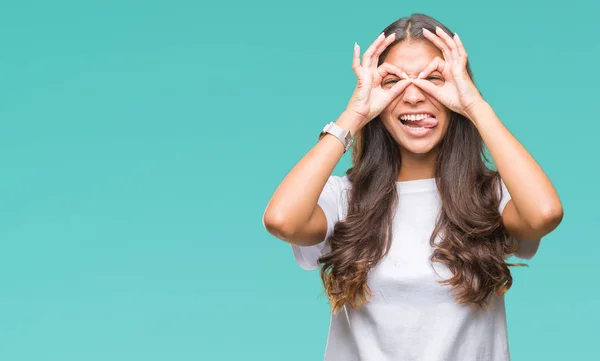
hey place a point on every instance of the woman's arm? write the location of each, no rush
(293, 214)
(535, 208)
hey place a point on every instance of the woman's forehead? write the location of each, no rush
(412, 56)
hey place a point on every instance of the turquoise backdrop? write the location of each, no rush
(141, 141)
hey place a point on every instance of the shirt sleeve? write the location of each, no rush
(527, 248)
(329, 201)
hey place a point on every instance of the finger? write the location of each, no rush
(380, 49)
(387, 68)
(358, 69)
(367, 56)
(427, 86)
(438, 42)
(462, 52)
(436, 64)
(448, 41)
(356, 58)
(399, 87)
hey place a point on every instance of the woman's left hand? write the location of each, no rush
(458, 92)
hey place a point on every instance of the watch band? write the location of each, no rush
(342, 134)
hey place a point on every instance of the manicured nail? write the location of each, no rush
(405, 75)
(426, 31)
(420, 75)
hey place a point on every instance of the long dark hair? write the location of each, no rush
(472, 239)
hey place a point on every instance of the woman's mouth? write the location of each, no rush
(418, 125)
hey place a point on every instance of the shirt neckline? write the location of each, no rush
(416, 185)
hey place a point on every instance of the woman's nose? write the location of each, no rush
(413, 94)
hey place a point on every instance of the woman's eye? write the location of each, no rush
(434, 78)
(390, 81)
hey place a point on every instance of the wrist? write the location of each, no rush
(478, 110)
(351, 121)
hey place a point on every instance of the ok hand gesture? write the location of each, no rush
(458, 92)
(370, 98)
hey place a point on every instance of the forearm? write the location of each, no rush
(533, 194)
(295, 199)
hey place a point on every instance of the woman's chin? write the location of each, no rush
(421, 143)
(421, 146)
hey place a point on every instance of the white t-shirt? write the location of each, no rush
(410, 315)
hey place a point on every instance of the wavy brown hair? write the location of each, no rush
(473, 243)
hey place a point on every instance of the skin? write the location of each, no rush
(418, 153)
(535, 210)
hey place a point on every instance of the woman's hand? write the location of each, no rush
(458, 92)
(370, 98)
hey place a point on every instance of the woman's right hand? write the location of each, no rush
(371, 97)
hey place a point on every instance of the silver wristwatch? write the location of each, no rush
(343, 135)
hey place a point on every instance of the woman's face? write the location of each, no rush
(412, 58)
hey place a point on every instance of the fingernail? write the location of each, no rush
(420, 75)
(426, 31)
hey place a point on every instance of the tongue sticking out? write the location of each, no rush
(427, 123)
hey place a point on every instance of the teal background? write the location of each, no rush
(141, 141)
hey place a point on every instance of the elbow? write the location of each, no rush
(276, 225)
(555, 216)
(549, 218)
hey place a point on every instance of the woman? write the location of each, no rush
(413, 240)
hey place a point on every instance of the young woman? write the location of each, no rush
(413, 240)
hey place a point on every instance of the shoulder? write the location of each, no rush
(338, 184)
(342, 181)
(503, 194)
(336, 195)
